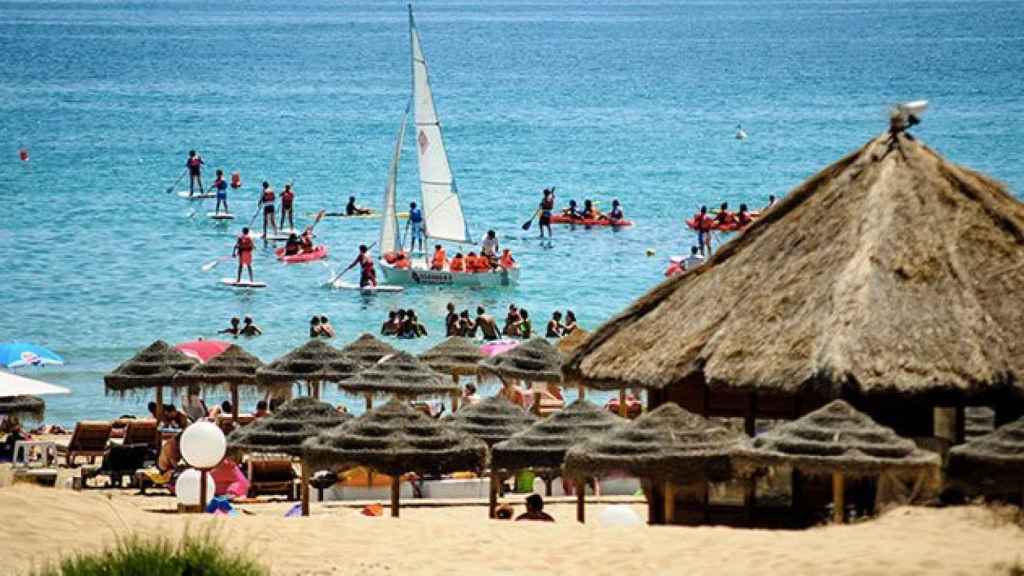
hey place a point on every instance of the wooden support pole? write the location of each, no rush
(961, 425)
(581, 498)
(670, 503)
(159, 405)
(838, 498)
(304, 478)
(492, 504)
(581, 392)
(202, 490)
(369, 402)
(234, 403)
(547, 486)
(396, 483)
(623, 407)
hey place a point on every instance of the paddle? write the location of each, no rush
(213, 263)
(529, 223)
(342, 273)
(175, 185)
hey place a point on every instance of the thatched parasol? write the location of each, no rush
(836, 440)
(456, 356)
(368, 349)
(394, 439)
(820, 293)
(543, 445)
(233, 367)
(313, 362)
(153, 367)
(28, 407)
(994, 462)
(284, 431)
(569, 343)
(534, 361)
(492, 420)
(399, 374)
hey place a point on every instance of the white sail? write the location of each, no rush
(442, 210)
(389, 227)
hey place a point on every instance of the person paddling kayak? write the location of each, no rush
(616, 215)
(287, 200)
(194, 164)
(267, 201)
(367, 274)
(243, 251)
(221, 186)
(352, 210)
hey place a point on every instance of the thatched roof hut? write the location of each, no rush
(399, 374)
(234, 367)
(395, 439)
(313, 362)
(667, 444)
(492, 420)
(24, 407)
(821, 292)
(153, 367)
(284, 431)
(534, 361)
(544, 444)
(569, 343)
(994, 462)
(368, 349)
(456, 356)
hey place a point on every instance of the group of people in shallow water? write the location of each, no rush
(403, 324)
(245, 328)
(517, 324)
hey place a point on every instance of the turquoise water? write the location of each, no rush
(636, 101)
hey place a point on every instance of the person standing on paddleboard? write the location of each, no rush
(267, 202)
(415, 223)
(194, 164)
(367, 274)
(221, 186)
(547, 205)
(243, 250)
(287, 200)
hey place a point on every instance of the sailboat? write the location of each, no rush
(443, 218)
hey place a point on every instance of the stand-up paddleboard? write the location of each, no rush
(243, 284)
(281, 235)
(197, 196)
(370, 216)
(340, 285)
(220, 216)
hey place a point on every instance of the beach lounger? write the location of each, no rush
(143, 432)
(270, 476)
(544, 405)
(227, 425)
(119, 461)
(89, 440)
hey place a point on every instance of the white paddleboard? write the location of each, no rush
(367, 289)
(220, 216)
(197, 196)
(243, 284)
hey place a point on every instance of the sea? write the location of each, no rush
(638, 101)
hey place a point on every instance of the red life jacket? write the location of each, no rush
(245, 243)
(268, 196)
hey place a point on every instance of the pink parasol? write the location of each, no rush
(497, 347)
(203, 350)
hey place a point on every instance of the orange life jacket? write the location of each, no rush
(457, 265)
(245, 243)
(402, 263)
(236, 180)
(507, 261)
(440, 259)
(268, 196)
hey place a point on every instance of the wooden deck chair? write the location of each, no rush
(271, 476)
(544, 405)
(88, 440)
(143, 432)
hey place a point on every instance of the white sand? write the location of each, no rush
(40, 524)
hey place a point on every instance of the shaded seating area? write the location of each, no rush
(456, 357)
(119, 461)
(399, 375)
(314, 362)
(368, 349)
(534, 361)
(89, 440)
(153, 367)
(233, 368)
(991, 465)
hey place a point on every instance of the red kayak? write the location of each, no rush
(563, 219)
(317, 253)
(727, 227)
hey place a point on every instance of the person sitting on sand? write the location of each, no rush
(261, 409)
(326, 329)
(233, 329)
(554, 328)
(512, 319)
(166, 463)
(451, 321)
(391, 325)
(486, 324)
(535, 510)
(503, 512)
(249, 329)
(352, 210)
(570, 325)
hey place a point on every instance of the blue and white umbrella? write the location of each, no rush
(17, 354)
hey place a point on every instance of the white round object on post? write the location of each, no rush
(186, 488)
(619, 515)
(203, 445)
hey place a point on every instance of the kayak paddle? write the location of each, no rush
(342, 273)
(528, 223)
(173, 186)
(213, 263)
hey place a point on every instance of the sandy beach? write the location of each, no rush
(42, 524)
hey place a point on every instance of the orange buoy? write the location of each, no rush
(236, 180)
(23, 154)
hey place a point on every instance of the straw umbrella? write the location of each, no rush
(456, 357)
(233, 367)
(667, 447)
(368, 349)
(533, 361)
(837, 440)
(32, 407)
(543, 445)
(153, 367)
(314, 362)
(395, 439)
(284, 431)
(993, 463)
(818, 296)
(399, 374)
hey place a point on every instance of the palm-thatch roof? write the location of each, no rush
(154, 366)
(232, 367)
(456, 356)
(535, 360)
(835, 438)
(368, 349)
(314, 361)
(284, 431)
(394, 439)
(570, 342)
(544, 444)
(820, 293)
(32, 407)
(666, 444)
(997, 457)
(492, 420)
(400, 374)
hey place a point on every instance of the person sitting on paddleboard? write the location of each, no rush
(352, 210)
(250, 329)
(415, 223)
(554, 328)
(293, 246)
(486, 324)
(704, 225)
(572, 212)
(489, 247)
(267, 201)
(195, 172)
(243, 250)
(287, 201)
(547, 205)
(367, 274)
(221, 186)
(743, 217)
(233, 329)
(616, 215)
(440, 259)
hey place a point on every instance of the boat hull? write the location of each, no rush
(418, 276)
